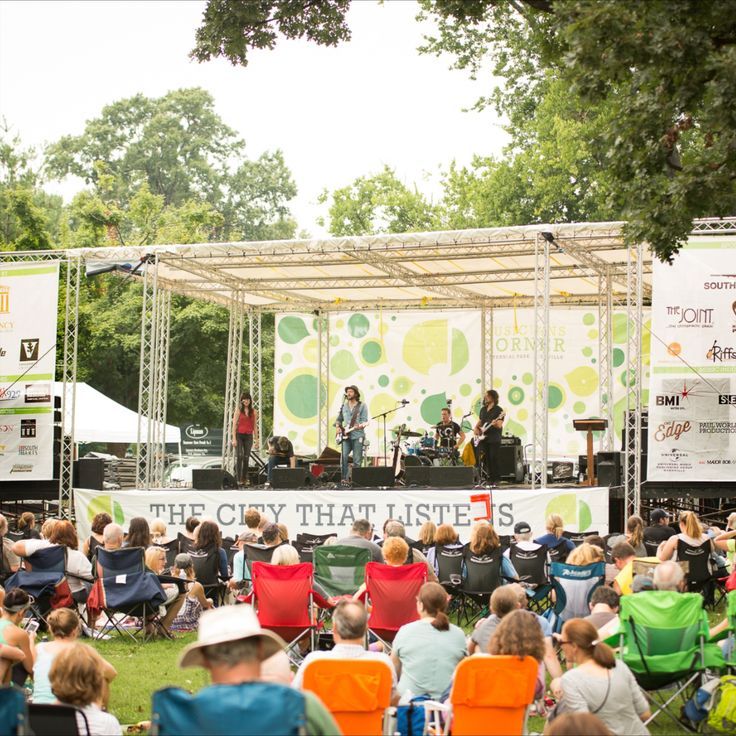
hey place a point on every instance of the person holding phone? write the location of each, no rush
(245, 435)
(12, 636)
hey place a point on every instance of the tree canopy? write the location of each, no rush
(633, 101)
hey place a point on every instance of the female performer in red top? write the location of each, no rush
(245, 433)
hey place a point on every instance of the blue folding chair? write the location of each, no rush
(573, 586)
(13, 712)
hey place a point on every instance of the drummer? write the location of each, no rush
(449, 434)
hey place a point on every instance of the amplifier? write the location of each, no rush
(452, 476)
(89, 473)
(511, 463)
(508, 439)
(416, 475)
(282, 477)
(370, 477)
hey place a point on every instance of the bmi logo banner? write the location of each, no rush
(28, 310)
(692, 400)
(321, 512)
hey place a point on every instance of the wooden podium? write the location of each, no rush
(590, 426)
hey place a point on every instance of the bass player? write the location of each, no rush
(488, 437)
(351, 421)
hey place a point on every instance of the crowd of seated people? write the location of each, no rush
(584, 674)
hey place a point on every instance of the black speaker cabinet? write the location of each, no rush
(583, 465)
(417, 475)
(609, 468)
(208, 479)
(380, 477)
(290, 477)
(511, 463)
(89, 473)
(451, 476)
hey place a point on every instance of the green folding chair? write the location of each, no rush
(729, 634)
(339, 569)
(663, 640)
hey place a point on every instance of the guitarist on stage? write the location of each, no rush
(488, 436)
(351, 420)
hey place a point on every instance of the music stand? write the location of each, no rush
(590, 426)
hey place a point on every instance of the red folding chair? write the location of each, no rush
(392, 593)
(284, 601)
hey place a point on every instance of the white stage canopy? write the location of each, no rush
(100, 419)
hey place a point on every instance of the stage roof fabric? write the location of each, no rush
(100, 419)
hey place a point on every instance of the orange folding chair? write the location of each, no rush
(490, 695)
(356, 691)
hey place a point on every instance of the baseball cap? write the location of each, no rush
(658, 514)
(521, 527)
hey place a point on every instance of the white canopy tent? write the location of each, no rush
(98, 418)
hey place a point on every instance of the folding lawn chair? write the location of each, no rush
(124, 586)
(284, 602)
(185, 544)
(532, 568)
(57, 720)
(13, 711)
(172, 550)
(206, 564)
(339, 569)
(662, 638)
(257, 553)
(700, 575)
(250, 709)
(482, 577)
(356, 691)
(306, 551)
(392, 592)
(559, 552)
(573, 586)
(490, 695)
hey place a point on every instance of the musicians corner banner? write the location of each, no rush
(692, 399)
(28, 308)
(321, 512)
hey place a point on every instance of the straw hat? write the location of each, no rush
(229, 623)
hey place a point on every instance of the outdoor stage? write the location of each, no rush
(322, 511)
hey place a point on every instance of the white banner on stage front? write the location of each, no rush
(692, 397)
(28, 309)
(319, 512)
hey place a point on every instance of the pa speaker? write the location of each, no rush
(417, 475)
(609, 468)
(290, 477)
(380, 477)
(208, 479)
(511, 463)
(452, 476)
(89, 473)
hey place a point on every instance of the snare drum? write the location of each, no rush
(427, 442)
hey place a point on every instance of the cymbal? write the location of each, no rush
(407, 432)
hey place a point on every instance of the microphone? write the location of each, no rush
(405, 401)
(449, 402)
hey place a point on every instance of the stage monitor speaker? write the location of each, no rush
(511, 463)
(290, 477)
(380, 477)
(609, 468)
(89, 473)
(208, 479)
(451, 476)
(417, 475)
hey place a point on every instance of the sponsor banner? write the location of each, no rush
(432, 358)
(319, 512)
(200, 441)
(692, 399)
(28, 313)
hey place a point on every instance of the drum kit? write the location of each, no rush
(421, 448)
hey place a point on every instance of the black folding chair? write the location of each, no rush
(57, 720)
(206, 564)
(172, 550)
(482, 577)
(532, 569)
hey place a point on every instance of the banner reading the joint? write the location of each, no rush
(28, 307)
(692, 404)
(321, 512)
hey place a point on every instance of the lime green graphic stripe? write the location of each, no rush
(27, 377)
(714, 245)
(27, 410)
(696, 369)
(6, 273)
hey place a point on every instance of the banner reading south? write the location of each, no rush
(28, 313)
(692, 398)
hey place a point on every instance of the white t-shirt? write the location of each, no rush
(99, 722)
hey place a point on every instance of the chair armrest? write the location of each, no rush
(320, 601)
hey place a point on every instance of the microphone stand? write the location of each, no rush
(383, 416)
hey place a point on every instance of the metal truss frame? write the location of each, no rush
(74, 267)
(486, 357)
(605, 360)
(323, 380)
(233, 377)
(632, 413)
(538, 464)
(255, 376)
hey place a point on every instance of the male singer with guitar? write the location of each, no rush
(488, 436)
(351, 420)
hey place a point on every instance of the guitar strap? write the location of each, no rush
(354, 417)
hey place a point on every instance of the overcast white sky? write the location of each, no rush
(336, 113)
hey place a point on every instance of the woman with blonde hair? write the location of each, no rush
(597, 682)
(26, 525)
(691, 532)
(64, 626)
(158, 532)
(77, 677)
(634, 535)
(427, 532)
(446, 536)
(553, 539)
(285, 554)
(585, 554)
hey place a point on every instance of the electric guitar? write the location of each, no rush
(477, 439)
(396, 462)
(343, 434)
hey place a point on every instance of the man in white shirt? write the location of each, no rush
(349, 625)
